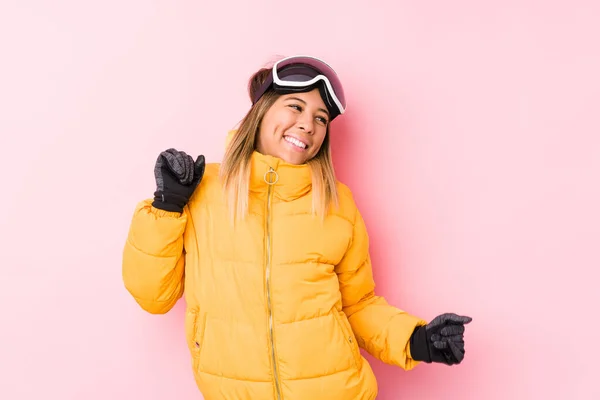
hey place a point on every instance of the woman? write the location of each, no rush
(273, 255)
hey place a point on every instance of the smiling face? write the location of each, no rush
(294, 128)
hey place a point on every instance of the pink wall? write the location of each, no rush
(471, 143)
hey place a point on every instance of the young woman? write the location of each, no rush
(272, 256)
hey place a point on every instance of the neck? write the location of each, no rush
(290, 180)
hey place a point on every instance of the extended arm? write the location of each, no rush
(381, 329)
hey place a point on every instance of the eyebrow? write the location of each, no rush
(303, 102)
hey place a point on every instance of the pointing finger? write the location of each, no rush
(458, 319)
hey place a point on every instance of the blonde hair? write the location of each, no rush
(236, 163)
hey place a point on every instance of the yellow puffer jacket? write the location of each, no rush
(278, 307)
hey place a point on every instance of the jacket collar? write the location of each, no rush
(288, 181)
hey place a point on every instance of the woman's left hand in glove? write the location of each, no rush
(442, 340)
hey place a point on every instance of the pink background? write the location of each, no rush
(472, 144)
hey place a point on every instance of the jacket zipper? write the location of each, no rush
(271, 173)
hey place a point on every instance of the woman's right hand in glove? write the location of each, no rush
(177, 176)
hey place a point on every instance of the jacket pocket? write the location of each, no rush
(349, 337)
(195, 325)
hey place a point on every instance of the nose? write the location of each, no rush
(306, 123)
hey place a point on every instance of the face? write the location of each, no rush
(294, 128)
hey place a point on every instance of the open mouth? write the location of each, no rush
(299, 144)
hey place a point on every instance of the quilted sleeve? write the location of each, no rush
(382, 330)
(153, 257)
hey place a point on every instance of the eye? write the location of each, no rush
(296, 107)
(322, 120)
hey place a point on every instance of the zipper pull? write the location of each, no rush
(271, 177)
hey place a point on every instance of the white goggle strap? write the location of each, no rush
(308, 83)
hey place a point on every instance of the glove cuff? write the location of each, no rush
(169, 201)
(419, 345)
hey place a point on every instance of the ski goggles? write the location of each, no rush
(303, 73)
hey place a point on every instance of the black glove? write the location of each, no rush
(441, 340)
(177, 176)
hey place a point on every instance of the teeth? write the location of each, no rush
(295, 142)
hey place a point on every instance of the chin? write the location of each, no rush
(292, 157)
(294, 160)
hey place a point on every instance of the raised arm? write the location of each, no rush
(154, 257)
